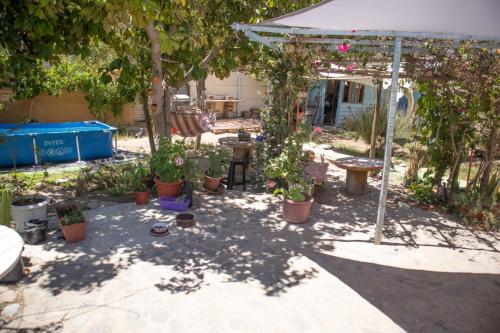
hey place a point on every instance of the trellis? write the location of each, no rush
(485, 33)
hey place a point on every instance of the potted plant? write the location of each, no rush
(287, 169)
(170, 165)
(217, 169)
(26, 203)
(297, 203)
(139, 179)
(72, 222)
(243, 135)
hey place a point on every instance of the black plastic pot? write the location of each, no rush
(36, 231)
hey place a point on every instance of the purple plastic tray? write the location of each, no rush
(174, 204)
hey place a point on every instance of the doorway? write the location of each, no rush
(331, 101)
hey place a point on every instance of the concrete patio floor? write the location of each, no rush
(243, 269)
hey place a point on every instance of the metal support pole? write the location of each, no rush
(238, 93)
(34, 150)
(78, 148)
(388, 140)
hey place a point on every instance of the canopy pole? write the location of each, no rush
(388, 140)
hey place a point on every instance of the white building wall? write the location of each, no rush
(345, 110)
(252, 92)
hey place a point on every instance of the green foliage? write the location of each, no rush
(170, 162)
(22, 187)
(139, 175)
(72, 74)
(423, 191)
(115, 179)
(458, 109)
(218, 163)
(72, 216)
(289, 164)
(361, 124)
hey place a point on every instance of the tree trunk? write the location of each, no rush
(147, 117)
(167, 113)
(375, 123)
(200, 95)
(489, 158)
(157, 103)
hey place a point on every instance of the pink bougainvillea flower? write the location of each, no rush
(343, 48)
(354, 30)
(351, 67)
(318, 130)
(179, 161)
(174, 130)
(271, 184)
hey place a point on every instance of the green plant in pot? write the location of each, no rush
(217, 169)
(243, 135)
(72, 222)
(27, 202)
(139, 178)
(288, 169)
(170, 165)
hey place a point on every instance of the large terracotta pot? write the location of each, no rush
(168, 189)
(142, 198)
(212, 183)
(297, 211)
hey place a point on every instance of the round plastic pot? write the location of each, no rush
(22, 214)
(142, 198)
(212, 183)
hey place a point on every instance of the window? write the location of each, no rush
(353, 92)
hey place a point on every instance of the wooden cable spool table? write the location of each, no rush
(357, 172)
(242, 150)
(11, 247)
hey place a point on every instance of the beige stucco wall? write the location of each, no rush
(252, 92)
(70, 106)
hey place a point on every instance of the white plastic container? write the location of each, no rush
(22, 214)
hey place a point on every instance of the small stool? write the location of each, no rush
(232, 175)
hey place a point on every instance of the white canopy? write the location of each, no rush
(468, 19)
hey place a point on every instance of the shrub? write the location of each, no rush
(170, 161)
(361, 124)
(423, 191)
(218, 163)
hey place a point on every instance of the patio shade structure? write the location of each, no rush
(385, 26)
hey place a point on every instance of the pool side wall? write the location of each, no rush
(30, 148)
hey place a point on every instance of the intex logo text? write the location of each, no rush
(53, 142)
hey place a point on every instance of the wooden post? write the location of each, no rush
(376, 116)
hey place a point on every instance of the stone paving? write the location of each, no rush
(243, 269)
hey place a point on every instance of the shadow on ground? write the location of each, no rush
(243, 237)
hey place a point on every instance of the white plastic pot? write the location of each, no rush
(22, 214)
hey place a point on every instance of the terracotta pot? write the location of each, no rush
(297, 211)
(212, 183)
(74, 232)
(142, 198)
(168, 189)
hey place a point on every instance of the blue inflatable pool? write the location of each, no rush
(40, 143)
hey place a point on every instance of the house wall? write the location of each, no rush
(69, 106)
(252, 92)
(345, 110)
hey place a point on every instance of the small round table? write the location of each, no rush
(357, 172)
(11, 247)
